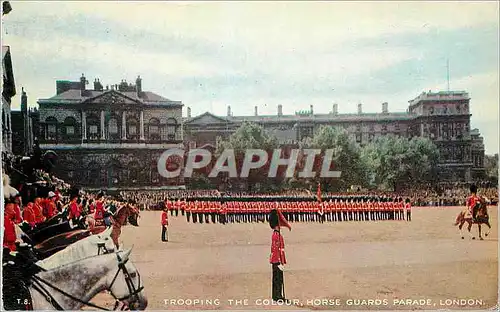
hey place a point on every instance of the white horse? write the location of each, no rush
(87, 247)
(72, 286)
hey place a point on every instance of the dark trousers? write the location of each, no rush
(277, 283)
(164, 233)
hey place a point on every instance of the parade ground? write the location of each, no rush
(422, 264)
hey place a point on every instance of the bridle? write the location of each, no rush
(133, 290)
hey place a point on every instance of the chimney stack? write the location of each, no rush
(83, 82)
(228, 111)
(138, 85)
(280, 110)
(312, 111)
(385, 108)
(256, 112)
(97, 85)
(335, 110)
(360, 109)
(189, 112)
(24, 102)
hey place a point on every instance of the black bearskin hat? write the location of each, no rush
(273, 218)
(74, 192)
(473, 188)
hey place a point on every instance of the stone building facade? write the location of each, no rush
(8, 91)
(110, 137)
(444, 117)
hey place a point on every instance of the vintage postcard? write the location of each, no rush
(260, 155)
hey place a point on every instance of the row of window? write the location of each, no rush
(153, 131)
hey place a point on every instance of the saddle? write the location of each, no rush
(18, 269)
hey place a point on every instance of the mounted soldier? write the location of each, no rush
(472, 203)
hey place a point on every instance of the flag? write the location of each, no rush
(318, 196)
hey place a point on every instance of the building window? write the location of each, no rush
(431, 110)
(371, 137)
(397, 127)
(358, 138)
(358, 128)
(154, 129)
(384, 128)
(69, 126)
(51, 129)
(132, 129)
(51, 123)
(113, 126)
(93, 129)
(171, 128)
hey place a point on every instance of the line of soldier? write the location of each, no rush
(251, 209)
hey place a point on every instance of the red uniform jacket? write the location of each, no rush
(99, 210)
(472, 201)
(9, 236)
(38, 210)
(13, 212)
(29, 215)
(50, 209)
(277, 249)
(74, 210)
(164, 218)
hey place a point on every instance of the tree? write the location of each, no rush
(250, 136)
(491, 167)
(393, 161)
(346, 157)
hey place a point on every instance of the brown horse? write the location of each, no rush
(481, 218)
(123, 214)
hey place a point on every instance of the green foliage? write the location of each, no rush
(346, 157)
(491, 167)
(248, 136)
(392, 160)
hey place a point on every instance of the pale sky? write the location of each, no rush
(213, 54)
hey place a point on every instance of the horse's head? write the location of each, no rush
(127, 286)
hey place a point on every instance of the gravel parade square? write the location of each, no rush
(390, 265)
(250, 155)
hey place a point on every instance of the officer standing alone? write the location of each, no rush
(164, 224)
(277, 256)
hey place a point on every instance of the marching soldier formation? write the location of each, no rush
(295, 209)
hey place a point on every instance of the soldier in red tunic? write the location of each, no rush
(408, 209)
(38, 210)
(50, 205)
(472, 201)
(277, 257)
(29, 215)
(74, 209)
(164, 224)
(99, 210)
(11, 218)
